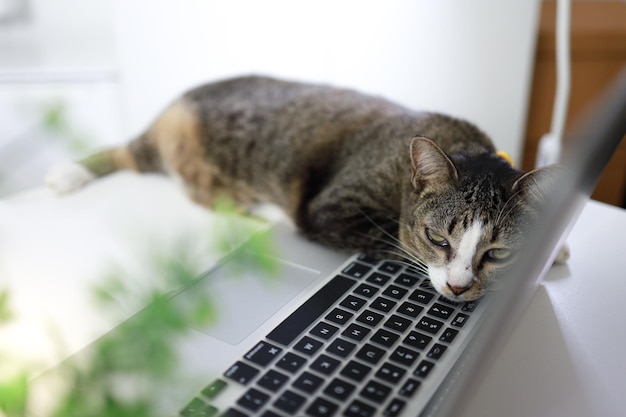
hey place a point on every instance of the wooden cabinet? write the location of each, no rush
(598, 53)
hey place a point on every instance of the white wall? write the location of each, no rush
(59, 35)
(472, 59)
(61, 54)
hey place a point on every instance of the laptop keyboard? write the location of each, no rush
(361, 346)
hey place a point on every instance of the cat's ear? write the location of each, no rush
(431, 166)
(537, 185)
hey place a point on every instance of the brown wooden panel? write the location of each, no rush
(598, 44)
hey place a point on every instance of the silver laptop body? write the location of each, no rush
(328, 334)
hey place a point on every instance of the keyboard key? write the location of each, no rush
(291, 362)
(370, 260)
(416, 269)
(321, 408)
(441, 311)
(232, 412)
(289, 402)
(448, 301)
(324, 330)
(436, 351)
(395, 292)
(356, 270)
(241, 372)
(263, 353)
(308, 346)
(273, 380)
(397, 323)
(383, 304)
(390, 267)
(423, 369)
(470, 306)
(311, 310)
(339, 316)
(378, 279)
(370, 318)
(460, 320)
(385, 338)
(409, 388)
(198, 408)
(353, 303)
(427, 285)
(406, 280)
(404, 355)
(325, 364)
(421, 296)
(355, 370)
(410, 309)
(390, 373)
(448, 335)
(213, 389)
(366, 290)
(370, 353)
(429, 325)
(359, 409)
(339, 389)
(356, 332)
(308, 382)
(266, 413)
(375, 392)
(417, 340)
(341, 347)
(253, 400)
(394, 408)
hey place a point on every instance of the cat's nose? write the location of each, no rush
(458, 290)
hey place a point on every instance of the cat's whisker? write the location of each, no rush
(501, 213)
(383, 230)
(401, 252)
(406, 259)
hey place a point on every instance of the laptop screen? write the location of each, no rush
(588, 150)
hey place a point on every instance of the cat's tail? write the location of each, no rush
(139, 155)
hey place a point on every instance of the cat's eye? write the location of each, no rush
(437, 239)
(499, 255)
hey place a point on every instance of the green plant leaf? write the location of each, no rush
(14, 395)
(5, 312)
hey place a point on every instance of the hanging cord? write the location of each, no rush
(549, 150)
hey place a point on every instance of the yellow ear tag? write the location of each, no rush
(504, 155)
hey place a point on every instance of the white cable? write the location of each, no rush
(549, 150)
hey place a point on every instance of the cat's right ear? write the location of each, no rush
(432, 169)
(536, 186)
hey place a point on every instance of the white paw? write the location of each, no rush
(67, 177)
(563, 255)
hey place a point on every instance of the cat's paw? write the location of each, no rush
(67, 177)
(563, 255)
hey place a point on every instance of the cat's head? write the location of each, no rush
(467, 216)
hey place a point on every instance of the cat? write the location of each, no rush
(352, 171)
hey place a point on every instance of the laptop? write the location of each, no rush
(328, 334)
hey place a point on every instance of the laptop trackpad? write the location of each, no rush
(243, 298)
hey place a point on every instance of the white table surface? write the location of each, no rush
(566, 356)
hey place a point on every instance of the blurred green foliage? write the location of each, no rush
(54, 120)
(5, 312)
(14, 390)
(141, 348)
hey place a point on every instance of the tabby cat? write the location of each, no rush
(354, 172)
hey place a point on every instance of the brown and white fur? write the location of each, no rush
(354, 172)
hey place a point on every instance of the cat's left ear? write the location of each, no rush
(537, 185)
(431, 166)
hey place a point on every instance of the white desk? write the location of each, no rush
(564, 358)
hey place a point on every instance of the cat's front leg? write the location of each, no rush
(351, 227)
